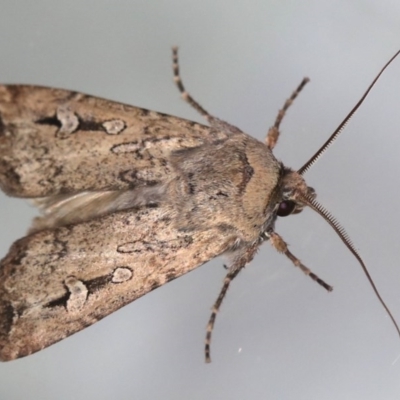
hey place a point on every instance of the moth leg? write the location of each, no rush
(273, 132)
(280, 245)
(185, 95)
(238, 264)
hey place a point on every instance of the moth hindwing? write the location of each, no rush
(130, 199)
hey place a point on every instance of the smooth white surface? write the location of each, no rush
(279, 335)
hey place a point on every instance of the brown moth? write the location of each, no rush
(130, 200)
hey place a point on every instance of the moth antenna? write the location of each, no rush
(281, 246)
(273, 132)
(340, 231)
(185, 95)
(340, 128)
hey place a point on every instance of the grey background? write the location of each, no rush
(279, 335)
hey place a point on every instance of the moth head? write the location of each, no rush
(293, 190)
(295, 194)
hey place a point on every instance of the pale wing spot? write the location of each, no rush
(78, 294)
(114, 126)
(126, 148)
(121, 274)
(68, 119)
(131, 147)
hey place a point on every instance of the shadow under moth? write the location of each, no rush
(131, 199)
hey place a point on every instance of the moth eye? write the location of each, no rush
(286, 208)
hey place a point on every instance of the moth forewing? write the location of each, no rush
(55, 141)
(57, 282)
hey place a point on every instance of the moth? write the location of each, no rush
(131, 199)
